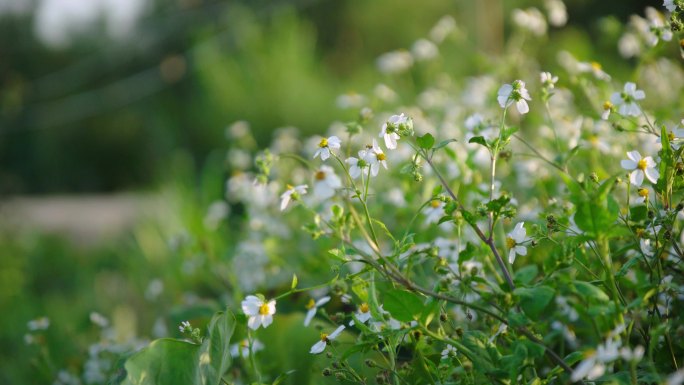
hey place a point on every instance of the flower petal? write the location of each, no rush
(652, 174)
(254, 322)
(511, 256)
(337, 332)
(636, 177)
(318, 347)
(309, 316)
(628, 164)
(634, 155)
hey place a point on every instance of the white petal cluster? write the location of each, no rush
(626, 100)
(313, 308)
(514, 240)
(319, 346)
(326, 182)
(292, 193)
(514, 93)
(259, 311)
(327, 144)
(640, 167)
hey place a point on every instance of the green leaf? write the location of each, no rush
(282, 377)
(403, 305)
(508, 132)
(590, 292)
(479, 140)
(526, 274)
(534, 300)
(426, 141)
(444, 143)
(176, 362)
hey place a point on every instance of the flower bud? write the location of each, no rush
(327, 372)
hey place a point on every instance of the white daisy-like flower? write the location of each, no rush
(514, 93)
(627, 100)
(670, 5)
(390, 129)
(394, 62)
(185, 327)
(41, 323)
(326, 182)
(548, 80)
(424, 49)
(594, 365)
(327, 144)
(642, 195)
(375, 157)
(434, 211)
(241, 349)
(675, 136)
(450, 350)
(363, 314)
(640, 167)
(514, 240)
(319, 346)
(260, 312)
(356, 165)
(594, 68)
(313, 308)
(293, 193)
(607, 109)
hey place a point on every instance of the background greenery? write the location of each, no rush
(150, 113)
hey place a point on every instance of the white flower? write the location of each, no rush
(41, 323)
(627, 100)
(442, 29)
(350, 100)
(593, 366)
(607, 109)
(319, 346)
(424, 49)
(450, 350)
(260, 313)
(516, 92)
(593, 67)
(390, 129)
(292, 193)
(530, 19)
(326, 181)
(675, 136)
(643, 195)
(185, 327)
(670, 5)
(514, 240)
(99, 320)
(548, 80)
(241, 349)
(640, 167)
(313, 308)
(325, 145)
(375, 157)
(557, 12)
(217, 212)
(435, 211)
(394, 62)
(356, 165)
(363, 314)
(676, 378)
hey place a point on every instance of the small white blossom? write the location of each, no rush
(594, 365)
(241, 349)
(356, 165)
(326, 182)
(99, 320)
(424, 49)
(185, 327)
(530, 19)
(363, 314)
(594, 68)
(390, 129)
(292, 193)
(607, 109)
(375, 157)
(514, 240)
(41, 323)
(450, 350)
(313, 308)
(640, 167)
(260, 312)
(557, 12)
(516, 92)
(442, 29)
(434, 211)
(627, 100)
(325, 145)
(670, 5)
(395, 62)
(319, 346)
(548, 80)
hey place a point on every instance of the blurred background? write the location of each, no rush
(114, 125)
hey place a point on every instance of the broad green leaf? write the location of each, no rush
(526, 274)
(403, 305)
(444, 143)
(479, 140)
(426, 141)
(534, 300)
(175, 362)
(590, 292)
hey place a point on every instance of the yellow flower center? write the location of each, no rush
(671, 136)
(381, 156)
(435, 203)
(324, 337)
(289, 187)
(640, 233)
(607, 105)
(594, 140)
(364, 308)
(642, 192)
(641, 165)
(510, 242)
(320, 175)
(323, 143)
(263, 309)
(310, 304)
(596, 66)
(244, 343)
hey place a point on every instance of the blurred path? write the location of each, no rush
(84, 219)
